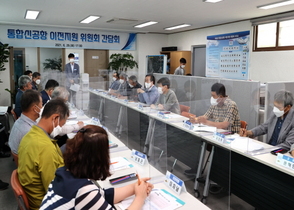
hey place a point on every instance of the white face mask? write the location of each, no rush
(38, 81)
(131, 85)
(159, 90)
(71, 60)
(114, 78)
(121, 81)
(189, 95)
(182, 66)
(147, 85)
(213, 101)
(56, 130)
(256, 108)
(278, 112)
(40, 112)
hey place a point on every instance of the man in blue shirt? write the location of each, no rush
(279, 127)
(150, 93)
(115, 84)
(24, 83)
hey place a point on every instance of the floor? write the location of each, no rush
(220, 201)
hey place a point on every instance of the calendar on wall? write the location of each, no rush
(227, 55)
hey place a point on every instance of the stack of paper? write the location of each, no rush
(119, 163)
(159, 199)
(247, 144)
(204, 128)
(3, 110)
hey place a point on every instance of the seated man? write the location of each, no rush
(36, 79)
(31, 105)
(24, 83)
(122, 90)
(115, 84)
(132, 88)
(167, 100)
(150, 93)
(223, 112)
(38, 155)
(279, 127)
(49, 87)
(28, 73)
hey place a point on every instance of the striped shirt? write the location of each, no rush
(226, 112)
(68, 192)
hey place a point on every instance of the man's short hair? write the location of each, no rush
(51, 84)
(71, 55)
(23, 81)
(60, 92)
(183, 60)
(56, 106)
(284, 97)
(152, 78)
(117, 74)
(27, 72)
(164, 81)
(219, 89)
(133, 78)
(36, 74)
(29, 98)
(123, 75)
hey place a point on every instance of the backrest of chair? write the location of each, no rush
(19, 192)
(15, 157)
(188, 114)
(14, 114)
(184, 108)
(243, 124)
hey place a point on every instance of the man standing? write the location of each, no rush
(39, 155)
(72, 71)
(36, 80)
(24, 83)
(180, 70)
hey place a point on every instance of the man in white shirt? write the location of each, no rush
(180, 70)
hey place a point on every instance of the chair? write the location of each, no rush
(15, 158)
(184, 108)
(14, 114)
(20, 195)
(243, 124)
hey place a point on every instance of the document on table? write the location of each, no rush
(119, 163)
(247, 144)
(159, 199)
(75, 87)
(203, 128)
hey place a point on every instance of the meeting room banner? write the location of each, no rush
(34, 36)
(227, 55)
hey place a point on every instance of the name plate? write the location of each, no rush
(187, 124)
(95, 121)
(138, 157)
(219, 137)
(285, 161)
(140, 106)
(174, 183)
(163, 114)
(126, 101)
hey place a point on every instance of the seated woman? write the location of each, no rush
(87, 159)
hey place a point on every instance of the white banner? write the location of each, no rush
(34, 36)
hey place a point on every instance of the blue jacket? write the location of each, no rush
(45, 97)
(150, 96)
(17, 108)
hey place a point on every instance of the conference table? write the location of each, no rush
(255, 178)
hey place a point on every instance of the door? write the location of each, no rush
(19, 64)
(96, 62)
(199, 60)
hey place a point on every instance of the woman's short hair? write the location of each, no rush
(87, 154)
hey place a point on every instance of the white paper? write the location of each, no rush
(119, 163)
(247, 144)
(204, 128)
(75, 87)
(3, 110)
(157, 200)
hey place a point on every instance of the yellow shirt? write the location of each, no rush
(38, 157)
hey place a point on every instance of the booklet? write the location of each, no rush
(119, 163)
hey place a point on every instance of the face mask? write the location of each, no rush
(40, 110)
(182, 66)
(189, 95)
(131, 85)
(71, 60)
(278, 112)
(114, 78)
(147, 85)
(56, 130)
(213, 101)
(121, 81)
(159, 90)
(256, 108)
(38, 81)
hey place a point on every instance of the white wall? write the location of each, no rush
(31, 59)
(5, 99)
(46, 53)
(148, 44)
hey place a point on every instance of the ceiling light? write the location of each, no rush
(276, 4)
(89, 19)
(31, 14)
(176, 27)
(145, 24)
(212, 1)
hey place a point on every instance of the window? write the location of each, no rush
(274, 36)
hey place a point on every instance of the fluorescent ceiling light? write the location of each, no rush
(145, 24)
(176, 27)
(212, 1)
(31, 14)
(276, 4)
(89, 19)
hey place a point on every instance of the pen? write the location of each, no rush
(139, 181)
